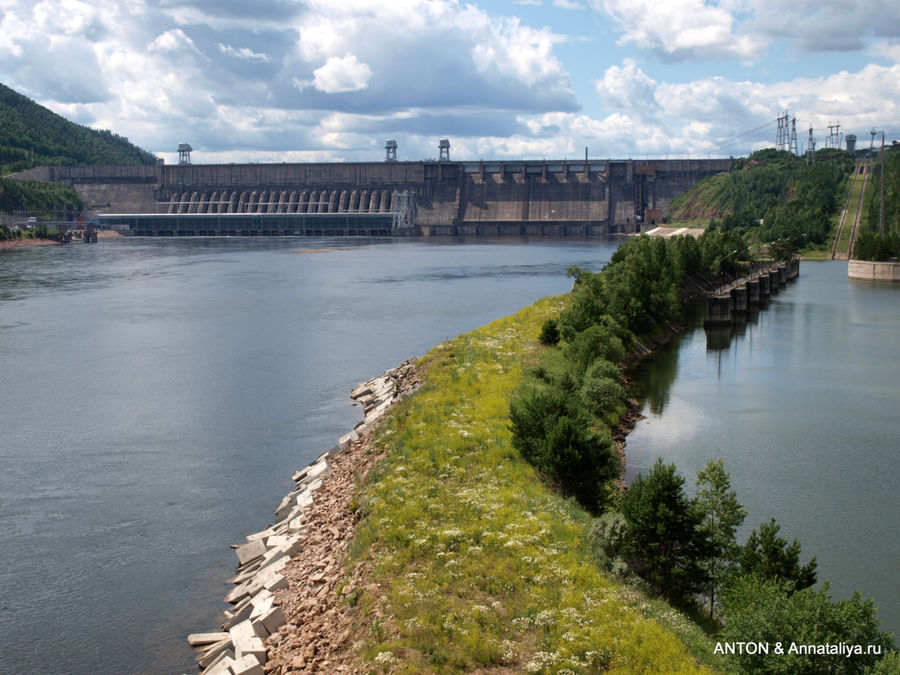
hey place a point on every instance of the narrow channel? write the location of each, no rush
(801, 404)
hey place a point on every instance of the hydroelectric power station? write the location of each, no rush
(430, 197)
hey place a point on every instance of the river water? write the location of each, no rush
(803, 405)
(156, 396)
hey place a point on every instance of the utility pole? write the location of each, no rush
(882, 182)
(811, 148)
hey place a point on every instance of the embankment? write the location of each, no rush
(866, 270)
(430, 545)
(287, 574)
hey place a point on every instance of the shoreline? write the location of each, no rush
(13, 244)
(288, 614)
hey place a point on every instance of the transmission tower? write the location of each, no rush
(792, 145)
(782, 133)
(872, 143)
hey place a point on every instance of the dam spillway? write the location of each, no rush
(546, 197)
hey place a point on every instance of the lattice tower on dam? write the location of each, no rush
(547, 197)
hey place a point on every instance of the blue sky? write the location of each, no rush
(318, 80)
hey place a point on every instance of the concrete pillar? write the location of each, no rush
(333, 201)
(303, 202)
(233, 202)
(739, 297)
(753, 292)
(195, 201)
(718, 309)
(212, 206)
(292, 203)
(782, 274)
(384, 206)
(204, 203)
(353, 206)
(374, 201)
(185, 202)
(173, 203)
(764, 287)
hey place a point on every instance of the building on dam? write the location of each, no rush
(430, 197)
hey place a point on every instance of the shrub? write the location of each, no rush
(607, 536)
(558, 441)
(549, 333)
(762, 610)
(602, 395)
(595, 342)
(602, 368)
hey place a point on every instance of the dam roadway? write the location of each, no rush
(546, 197)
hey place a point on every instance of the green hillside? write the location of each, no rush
(871, 244)
(26, 128)
(772, 195)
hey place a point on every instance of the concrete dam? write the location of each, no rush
(432, 197)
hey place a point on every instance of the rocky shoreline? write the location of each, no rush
(287, 614)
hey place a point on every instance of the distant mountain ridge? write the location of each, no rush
(27, 127)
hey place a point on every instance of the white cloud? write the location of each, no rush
(889, 49)
(568, 4)
(244, 53)
(340, 74)
(681, 29)
(172, 40)
(627, 87)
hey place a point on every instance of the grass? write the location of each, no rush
(476, 564)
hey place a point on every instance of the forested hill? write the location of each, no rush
(27, 127)
(771, 195)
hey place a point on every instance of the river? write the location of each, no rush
(156, 395)
(802, 405)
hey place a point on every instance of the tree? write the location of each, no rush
(556, 438)
(765, 612)
(722, 515)
(549, 333)
(666, 542)
(769, 556)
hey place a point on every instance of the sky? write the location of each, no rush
(318, 80)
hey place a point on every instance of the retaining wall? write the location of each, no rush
(874, 271)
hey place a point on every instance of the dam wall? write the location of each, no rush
(448, 198)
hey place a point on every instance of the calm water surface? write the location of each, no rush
(803, 405)
(156, 396)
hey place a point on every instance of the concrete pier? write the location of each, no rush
(718, 309)
(739, 300)
(753, 291)
(733, 301)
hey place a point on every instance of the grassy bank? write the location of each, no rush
(471, 561)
